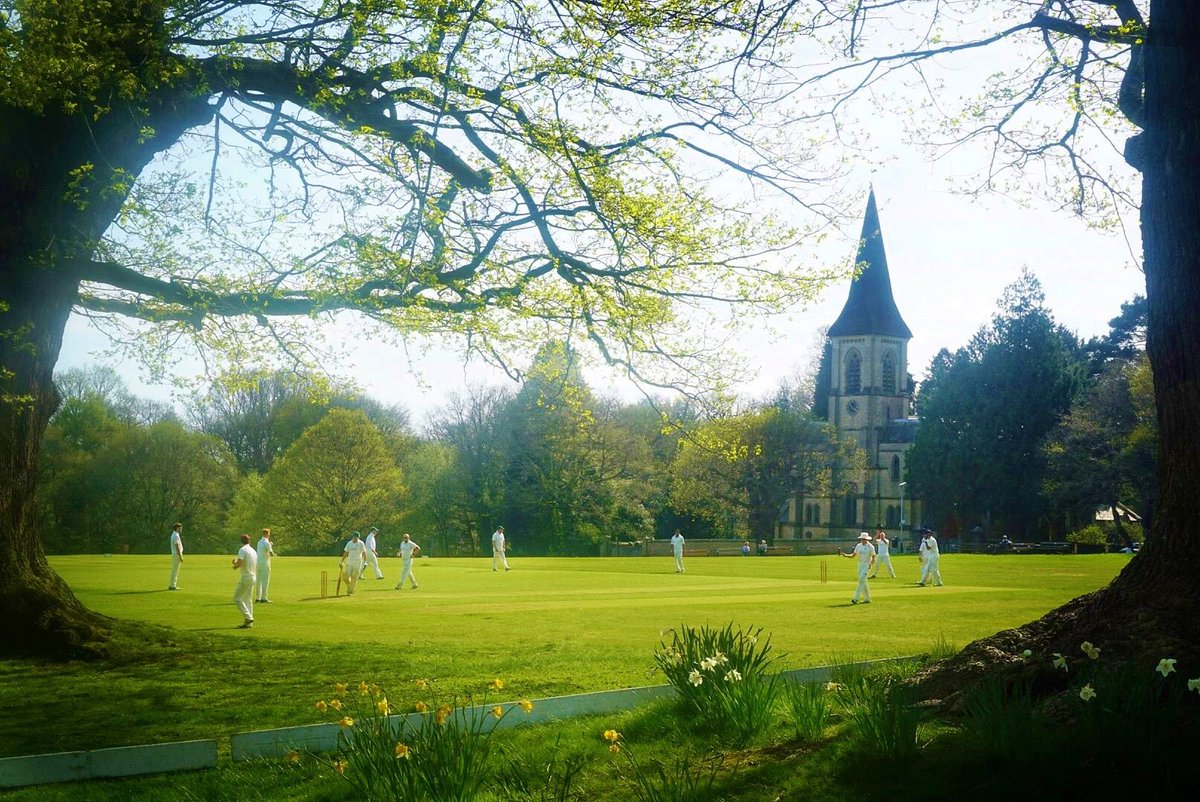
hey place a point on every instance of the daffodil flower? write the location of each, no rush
(614, 748)
(381, 707)
(442, 714)
(526, 705)
(293, 756)
(496, 684)
(708, 662)
(1194, 684)
(340, 689)
(322, 706)
(832, 686)
(422, 684)
(733, 676)
(402, 751)
(721, 658)
(339, 766)
(421, 707)
(1166, 666)
(1060, 661)
(1091, 651)
(364, 688)
(335, 704)
(346, 721)
(497, 711)
(1087, 693)
(612, 736)
(696, 678)
(751, 639)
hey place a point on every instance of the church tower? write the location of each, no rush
(870, 399)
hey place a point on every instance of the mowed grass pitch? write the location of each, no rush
(551, 626)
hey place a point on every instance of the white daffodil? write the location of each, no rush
(1060, 661)
(1091, 651)
(733, 676)
(721, 658)
(1087, 693)
(1166, 666)
(696, 678)
(708, 662)
(1194, 684)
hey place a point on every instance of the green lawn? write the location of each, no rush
(548, 627)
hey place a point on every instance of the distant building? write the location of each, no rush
(870, 398)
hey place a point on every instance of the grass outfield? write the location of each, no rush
(551, 626)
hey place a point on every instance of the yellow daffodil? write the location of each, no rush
(402, 751)
(364, 688)
(442, 714)
(422, 684)
(421, 707)
(339, 766)
(696, 678)
(1060, 661)
(1194, 684)
(335, 704)
(322, 706)
(526, 705)
(496, 684)
(293, 756)
(346, 721)
(381, 707)
(614, 748)
(1091, 651)
(612, 736)
(340, 689)
(1166, 666)
(1087, 693)
(497, 711)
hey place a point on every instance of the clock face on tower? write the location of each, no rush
(851, 407)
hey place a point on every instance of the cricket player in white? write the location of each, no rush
(677, 549)
(265, 552)
(372, 554)
(882, 548)
(498, 547)
(407, 551)
(929, 560)
(176, 555)
(243, 595)
(864, 552)
(354, 557)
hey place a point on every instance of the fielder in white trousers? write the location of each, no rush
(929, 565)
(882, 558)
(265, 552)
(407, 551)
(372, 555)
(243, 594)
(354, 559)
(864, 552)
(677, 549)
(499, 546)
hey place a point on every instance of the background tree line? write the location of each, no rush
(1025, 430)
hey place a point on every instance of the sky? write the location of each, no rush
(950, 258)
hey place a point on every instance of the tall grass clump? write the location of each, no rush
(441, 752)
(723, 679)
(810, 706)
(1003, 723)
(886, 720)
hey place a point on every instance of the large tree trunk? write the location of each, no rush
(40, 614)
(1149, 610)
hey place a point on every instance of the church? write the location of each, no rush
(870, 399)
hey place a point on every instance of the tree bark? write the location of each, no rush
(1149, 611)
(41, 614)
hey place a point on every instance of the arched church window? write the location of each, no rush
(895, 467)
(889, 373)
(849, 510)
(853, 383)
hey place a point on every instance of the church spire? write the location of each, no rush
(870, 308)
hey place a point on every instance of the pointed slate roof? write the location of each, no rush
(871, 309)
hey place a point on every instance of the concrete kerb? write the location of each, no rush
(122, 761)
(128, 761)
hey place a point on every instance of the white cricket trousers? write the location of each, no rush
(243, 595)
